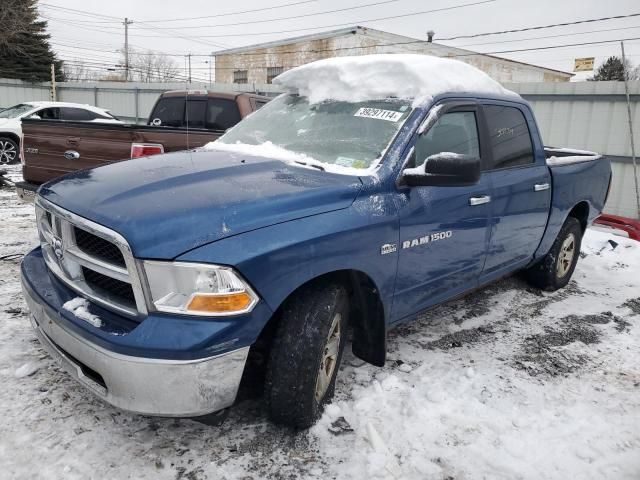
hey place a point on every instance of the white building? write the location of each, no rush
(262, 62)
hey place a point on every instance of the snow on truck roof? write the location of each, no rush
(370, 77)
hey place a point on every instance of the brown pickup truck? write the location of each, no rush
(179, 120)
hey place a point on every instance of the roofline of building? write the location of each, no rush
(353, 30)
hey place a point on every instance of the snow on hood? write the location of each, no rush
(369, 77)
(270, 150)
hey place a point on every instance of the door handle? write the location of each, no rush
(473, 201)
(73, 141)
(71, 155)
(540, 187)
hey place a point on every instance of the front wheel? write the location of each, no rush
(557, 266)
(8, 151)
(306, 354)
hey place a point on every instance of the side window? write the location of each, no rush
(76, 114)
(168, 112)
(222, 114)
(196, 113)
(455, 132)
(510, 138)
(49, 113)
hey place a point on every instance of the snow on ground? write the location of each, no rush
(507, 383)
(371, 77)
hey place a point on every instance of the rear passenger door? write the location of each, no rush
(520, 188)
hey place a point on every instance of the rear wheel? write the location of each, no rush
(8, 151)
(556, 268)
(306, 354)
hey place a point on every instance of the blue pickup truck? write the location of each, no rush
(162, 284)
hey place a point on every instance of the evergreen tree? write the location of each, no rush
(611, 69)
(25, 52)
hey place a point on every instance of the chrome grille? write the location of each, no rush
(91, 259)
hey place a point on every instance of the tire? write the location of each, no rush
(9, 151)
(302, 368)
(556, 268)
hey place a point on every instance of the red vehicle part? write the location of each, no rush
(629, 225)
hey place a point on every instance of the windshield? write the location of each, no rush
(15, 111)
(344, 134)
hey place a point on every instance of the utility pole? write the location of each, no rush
(127, 22)
(210, 67)
(189, 57)
(633, 146)
(54, 94)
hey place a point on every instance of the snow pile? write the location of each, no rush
(270, 150)
(557, 161)
(80, 308)
(27, 370)
(465, 411)
(370, 77)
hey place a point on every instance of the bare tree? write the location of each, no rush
(152, 67)
(77, 70)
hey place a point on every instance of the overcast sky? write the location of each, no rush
(101, 37)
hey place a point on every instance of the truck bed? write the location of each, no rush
(565, 156)
(46, 142)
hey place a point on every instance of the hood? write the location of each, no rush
(168, 204)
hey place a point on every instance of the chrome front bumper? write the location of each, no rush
(169, 388)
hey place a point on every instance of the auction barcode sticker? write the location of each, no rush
(378, 113)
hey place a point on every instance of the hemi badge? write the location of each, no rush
(388, 248)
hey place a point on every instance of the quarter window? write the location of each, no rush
(455, 132)
(509, 135)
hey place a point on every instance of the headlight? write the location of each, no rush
(198, 289)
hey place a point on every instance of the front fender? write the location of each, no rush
(278, 259)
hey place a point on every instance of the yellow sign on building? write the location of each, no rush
(584, 64)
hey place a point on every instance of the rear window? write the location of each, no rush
(168, 112)
(222, 114)
(195, 113)
(213, 114)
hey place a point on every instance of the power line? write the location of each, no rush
(232, 13)
(240, 12)
(81, 12)
(577, 22)
(547, 36)
(295, 17)
(420, 13)
(356, 22)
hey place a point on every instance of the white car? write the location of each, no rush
(11, 121)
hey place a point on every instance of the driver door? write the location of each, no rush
(444, 230)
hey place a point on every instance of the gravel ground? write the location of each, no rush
(505, 383)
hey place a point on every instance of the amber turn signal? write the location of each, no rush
(225, 303)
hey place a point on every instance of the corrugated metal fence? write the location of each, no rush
(129, 101)
(591, 116)
(585, 115)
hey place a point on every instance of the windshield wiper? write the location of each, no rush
(310, 165)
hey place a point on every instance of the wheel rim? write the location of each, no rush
(329, 358)
(565, 257)
(7, 152)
